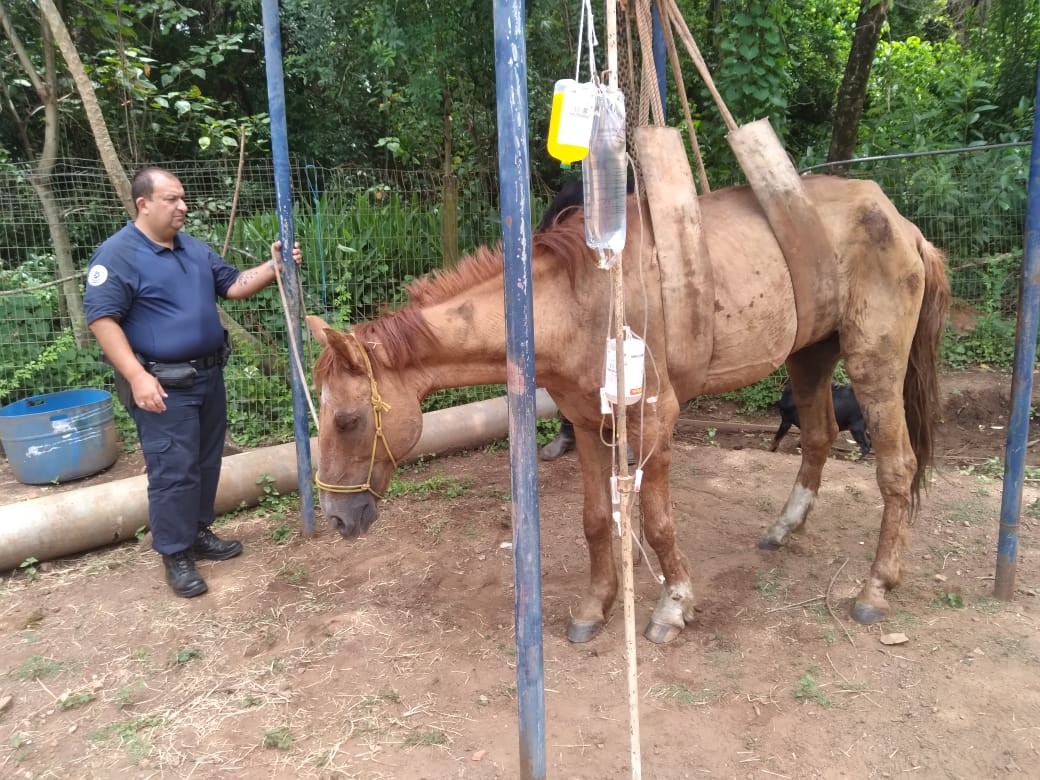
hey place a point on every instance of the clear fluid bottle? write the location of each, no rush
(570, 122)
(605, 173)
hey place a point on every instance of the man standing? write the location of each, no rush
(151, 303)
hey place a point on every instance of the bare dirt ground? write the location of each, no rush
(393, 657)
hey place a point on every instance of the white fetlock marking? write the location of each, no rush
(795, 511)
(674, 605)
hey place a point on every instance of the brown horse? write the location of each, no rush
(885, 321)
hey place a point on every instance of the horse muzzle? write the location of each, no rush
(351, 515)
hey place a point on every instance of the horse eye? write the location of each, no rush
(345, 421)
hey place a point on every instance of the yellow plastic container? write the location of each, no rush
(570, 122)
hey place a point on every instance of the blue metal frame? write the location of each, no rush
(283, 194)
(1021, 378)
(515, 202)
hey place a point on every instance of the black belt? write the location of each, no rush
(206, 361)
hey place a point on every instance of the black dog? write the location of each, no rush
(846, 412)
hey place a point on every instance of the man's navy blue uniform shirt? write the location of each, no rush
(165, 300)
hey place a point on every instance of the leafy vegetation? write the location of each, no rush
(401, 90)
(809, 690)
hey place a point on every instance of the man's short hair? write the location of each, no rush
(143, 183)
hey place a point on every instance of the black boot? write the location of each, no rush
(181, 575)
(211, 548)
(564, 442)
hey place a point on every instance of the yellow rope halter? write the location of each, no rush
(378, 407)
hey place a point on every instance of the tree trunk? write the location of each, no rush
(40, 177)
(852, 93)
(106, 148)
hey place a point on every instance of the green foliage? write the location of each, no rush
(760, 396)
(992, 282)
(29, 567)
(186, 655)
(131, 734)
(431, 737)
(27, 320)
(37, 667)
(754, 76)
(279, 738)
(73, 701)
(449, 487)
(951, 600)
(809, 690)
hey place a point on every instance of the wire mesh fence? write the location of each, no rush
(365, 234)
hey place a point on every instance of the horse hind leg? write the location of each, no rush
(884, 412)
(810, 370)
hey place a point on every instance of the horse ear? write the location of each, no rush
(318, 328)
(346, 348)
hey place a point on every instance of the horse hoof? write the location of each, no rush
(765, 543)
(661, 633)
(579, 631)
(866, 615)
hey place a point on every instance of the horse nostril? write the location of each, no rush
(346, 528)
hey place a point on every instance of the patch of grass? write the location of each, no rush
(281, 533)
(950, 600)
(854, 491)
(295, 574)
(72, 701)
(18, 739)
(432, 737)
(36, 667)
(809, 690)
(968, 512)
(449, 487)
(681, 693)
(767, 583)
(992, 468)
(764, 504)
(141, 656)
(187, 654)
(434, 526)
(278, 738)
(251, 701)
(902, 618)
(31, 637)
(126, 694)
(1033, 510)
(19, 743)
(129, 733)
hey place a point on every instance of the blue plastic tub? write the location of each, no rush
(59, 436)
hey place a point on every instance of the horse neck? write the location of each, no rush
(467, 344)
(467, 341)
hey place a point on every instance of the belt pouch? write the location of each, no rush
(177, 376)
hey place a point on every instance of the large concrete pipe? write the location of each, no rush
(77, 520)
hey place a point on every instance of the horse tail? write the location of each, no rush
(921, 397)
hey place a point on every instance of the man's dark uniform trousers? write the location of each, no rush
(165, 301)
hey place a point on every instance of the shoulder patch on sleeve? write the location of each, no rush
(98, 276)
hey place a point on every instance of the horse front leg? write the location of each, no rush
(675, 605)
(592, 611)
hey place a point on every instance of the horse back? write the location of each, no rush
(876, 252)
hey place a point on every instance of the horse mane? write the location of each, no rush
(398, 332)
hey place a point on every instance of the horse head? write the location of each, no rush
(368, 420)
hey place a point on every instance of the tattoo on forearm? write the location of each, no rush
(245, 279)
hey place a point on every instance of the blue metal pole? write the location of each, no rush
(660, 55)
(1022, 377)
(515, 204)
(283, 195)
